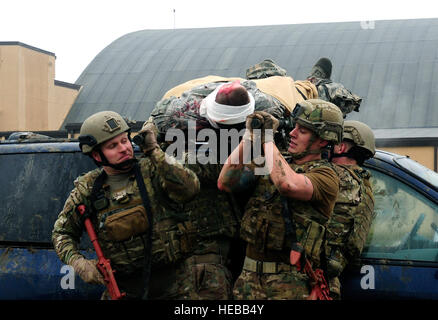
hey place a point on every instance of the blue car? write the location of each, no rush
(400, 259)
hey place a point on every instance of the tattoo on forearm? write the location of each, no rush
(280, 165)
(239, 179)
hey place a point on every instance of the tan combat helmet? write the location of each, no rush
(322, 117)
(362, 136)
(100, 127)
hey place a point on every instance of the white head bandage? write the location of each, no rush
(222, 113)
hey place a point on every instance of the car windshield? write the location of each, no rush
(419, 170)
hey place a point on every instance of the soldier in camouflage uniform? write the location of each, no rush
(354, 210)
(290, 206)
(119, 215)
(210, 253)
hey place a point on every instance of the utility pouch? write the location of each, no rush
(313, 239)
(126, 224)
(263, 231)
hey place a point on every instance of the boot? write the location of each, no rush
(322, 69)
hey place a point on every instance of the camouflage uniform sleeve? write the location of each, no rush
(67, 229)
(180, 183)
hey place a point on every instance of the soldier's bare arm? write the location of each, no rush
(287, 181)
(235, 176)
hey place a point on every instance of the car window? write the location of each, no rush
(405, 226)
(34, 188)
(418, 169)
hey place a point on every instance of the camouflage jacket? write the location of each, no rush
(212, 211)
(168, 185)
(263, 226)
(336, 93)
(350, 222)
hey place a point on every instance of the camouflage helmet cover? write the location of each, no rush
(100, 127)
(361, 135)
(322, 117)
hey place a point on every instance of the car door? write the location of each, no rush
(35, 182)
(400, 258)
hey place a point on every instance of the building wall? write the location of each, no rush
(423, 155)
(29, 98)
(60, 104)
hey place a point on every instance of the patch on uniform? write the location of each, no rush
(111, 125)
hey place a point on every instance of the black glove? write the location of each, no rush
(263, 121)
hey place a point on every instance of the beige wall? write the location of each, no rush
(59, 106)
(29, 98)
(423, 155)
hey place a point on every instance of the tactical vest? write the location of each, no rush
(263, 225)
(179, 230)
(351, 220)
(120, 220)
(212, 217)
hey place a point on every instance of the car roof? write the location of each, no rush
(408, 166)
(39, 145)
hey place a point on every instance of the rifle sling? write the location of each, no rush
(148, 253)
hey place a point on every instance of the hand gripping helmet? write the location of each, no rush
(322, 117)
(100, 127)
(362, 136)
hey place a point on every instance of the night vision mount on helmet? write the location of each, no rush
(100, 127)
(322, 117)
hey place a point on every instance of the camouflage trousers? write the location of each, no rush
(287, 284)
(336, 263)
(201, 277)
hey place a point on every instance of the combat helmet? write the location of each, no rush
(100, 127)
(362, 136)
(322, 117)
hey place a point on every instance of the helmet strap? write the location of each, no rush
(127, 164)
(328, 151)
(354, 153)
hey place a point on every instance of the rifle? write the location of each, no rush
(320, 289)
(103, 264)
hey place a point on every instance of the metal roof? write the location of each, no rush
(391, 64)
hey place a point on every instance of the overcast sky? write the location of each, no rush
(76, 31)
